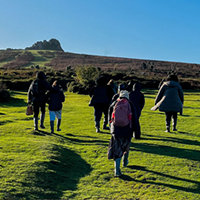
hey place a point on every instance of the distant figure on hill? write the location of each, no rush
(170, 100)
(123, 122)
(36, 96)
(101, 95)
(55, 99)
(113, 85)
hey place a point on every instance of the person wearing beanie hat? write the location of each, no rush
(170, 100)
(121, 135)
(124, 94)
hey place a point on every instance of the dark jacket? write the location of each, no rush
(126, 131)
(55, 99)
(137, 97)
(44, 86)
(101, 94)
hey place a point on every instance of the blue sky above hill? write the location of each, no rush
(167, 30)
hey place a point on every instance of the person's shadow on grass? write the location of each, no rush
(154, 181)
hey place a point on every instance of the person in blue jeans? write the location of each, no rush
(55, 98)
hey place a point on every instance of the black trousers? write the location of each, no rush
(170, 115)
(37, 106)
(98, 110)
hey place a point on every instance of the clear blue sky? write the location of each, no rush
(167, 30)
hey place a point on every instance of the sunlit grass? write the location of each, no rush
(73, 164)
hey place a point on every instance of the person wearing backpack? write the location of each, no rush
(55, 99)
(101, 95)
(123, 123)
(36, 96)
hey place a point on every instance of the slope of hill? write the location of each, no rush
(59, 60)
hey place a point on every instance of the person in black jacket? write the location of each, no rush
(55, 99)
(137, 97)
(116, 96)
(101, 95)
(121, 136)
(38, 100)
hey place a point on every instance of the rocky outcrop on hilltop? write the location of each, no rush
(52, 44)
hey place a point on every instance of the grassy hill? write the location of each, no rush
(61, 60)
(73, 164)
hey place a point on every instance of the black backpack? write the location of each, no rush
(36, 89)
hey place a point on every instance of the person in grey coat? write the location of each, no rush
(170, 100)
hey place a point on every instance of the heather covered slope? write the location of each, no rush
(61, 60)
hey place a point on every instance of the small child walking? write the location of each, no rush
(55, 99)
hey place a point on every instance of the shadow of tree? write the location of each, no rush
(151, 180)
(52, 178)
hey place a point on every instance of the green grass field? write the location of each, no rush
(73, 164)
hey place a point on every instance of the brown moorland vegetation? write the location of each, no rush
(148, 72)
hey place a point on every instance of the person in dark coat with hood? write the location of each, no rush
(101, 95)
(170, 100)
(38, 100)
(121, 136)
(137, 97)
(55, 99)
(116, 96)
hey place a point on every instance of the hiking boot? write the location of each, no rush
(125, 159)
(106, 128)
(168, 130)
(35, 120)
(52, 126)
(42, 116)
(117, 173)
(174, 129)
(97, 129)
(125, 163)
(58, 124)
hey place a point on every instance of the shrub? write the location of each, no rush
(4, 93)
(86, 75)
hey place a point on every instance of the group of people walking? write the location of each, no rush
(37, 97)
(121, 105)
(105, 100)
